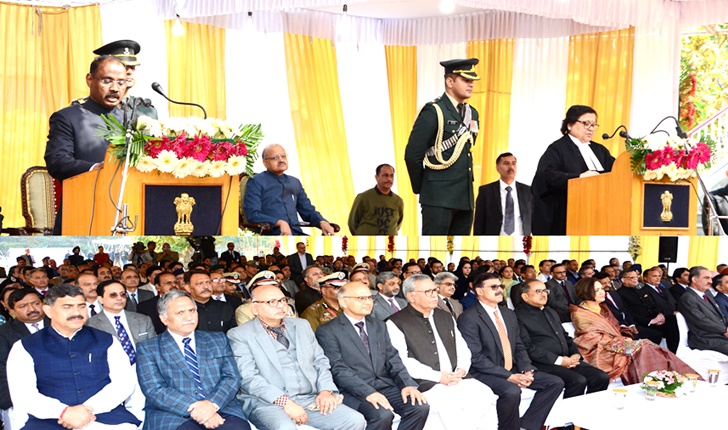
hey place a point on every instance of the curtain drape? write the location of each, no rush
(539, 250)
(402, 81)
(196, 69)
(600, 76)
(44, 58)
(650, 251)
(703, 251)
(318, 123)
(580, 248)
(505, 248)
(492, 98)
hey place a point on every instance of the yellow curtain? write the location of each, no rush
(579, 248)
(402, 80)
(470, 245)
(492, 98)
(45, 54)
(438, 248)
(539, 250)
(600, 76)
(650, 251)
(505, 247)
(318, 124)
(703, 251)
(196, 69)
(413, 241)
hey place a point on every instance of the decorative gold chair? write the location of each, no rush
(38, 200)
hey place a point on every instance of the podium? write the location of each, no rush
(88, 208)
(621, 203)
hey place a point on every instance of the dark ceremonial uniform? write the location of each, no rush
(445, 185)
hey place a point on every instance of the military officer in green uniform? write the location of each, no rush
(127, 51)
(438, 154)
(326, 309)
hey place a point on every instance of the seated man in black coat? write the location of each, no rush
(620, 312)
(550, 347)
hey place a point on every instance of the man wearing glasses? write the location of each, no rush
(286, 376)
(500, 359)
(366, 366)
(278, 199)
(561, 293)
(74, 144)
(437, 357)
(550, 347)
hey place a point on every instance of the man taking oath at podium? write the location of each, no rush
(438, 154)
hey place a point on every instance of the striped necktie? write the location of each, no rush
(125, 341)
(191, 360)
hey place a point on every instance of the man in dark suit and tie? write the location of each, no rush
(666, 303)
(572, 271)
(707, 327)
(131, 280)
(230, 255)
(614, 302)
(561, 293)
(504, 207)
(189, 377)
(720, 284)
(680, 280)
(298, 262)
(438, 156)
(26, 306)
(367, 368)
(164, 282)
(550, 347)
(387, 301)
(446, 282)
(500, 360)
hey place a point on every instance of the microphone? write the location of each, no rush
(623, 134)
(680, 133)
(158, 89)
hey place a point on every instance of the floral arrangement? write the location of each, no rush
(634, 247)
(659, 155)
(450, 245)
(527, 245)
(668, 382)
(186, 146)
(277, 244)
(390, 244)
(344, 244)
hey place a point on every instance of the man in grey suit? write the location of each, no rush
(504, 207)
(386, 302)
(286, 376)
(445, 281)
(561, 293)
(131, 280)
(707, 328)
(366, 366)
(129, 328)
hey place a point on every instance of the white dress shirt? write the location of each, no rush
(491, 313)
(354, 322)
(22, 383)
(302, 258)
(97, 307)
(32, 329)
(518, 222)
(591, 160)
(178, 340)
(124, 322)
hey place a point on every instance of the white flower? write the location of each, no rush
(236, 165)
(221, 127)
(183, 168)
(200, 126)
(676, 142)
(145, 164)
(217, 168)
(651, 175)
(166, 161)
(199, 169)
(655, 141)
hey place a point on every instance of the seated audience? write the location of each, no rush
(310, 293)
(164, 282)
(286, 376)
(445, 281)
(603, 345)
(386, 302)
(244, 312)
(212, 315)
(327, 308)
(707, 327)
(561, 293)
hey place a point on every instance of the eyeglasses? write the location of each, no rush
(449, 284)
(589, 125)
(361, 299)
(274, 303)
(278, 157)
(429, 293)
(539, 292)
(558, 273)
(218, 280)
(116, 295)
(493, 287)
(107, 82)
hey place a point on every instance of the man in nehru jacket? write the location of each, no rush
(437, 357)
(69, 375)
(438, 156)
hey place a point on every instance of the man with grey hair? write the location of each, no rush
(707, 327)
(188, 376)
(438, 358)
(386, 302)
(50, 381)
(445, 281)
(278, 199)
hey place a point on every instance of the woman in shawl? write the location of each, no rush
(603, 345)
(462, 286)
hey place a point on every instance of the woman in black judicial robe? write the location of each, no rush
(564, 160)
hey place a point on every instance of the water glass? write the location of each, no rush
(713, 375)
(692, 381)
(651, 390)
(620, 398)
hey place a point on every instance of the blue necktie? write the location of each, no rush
(191, 360)
(125, 341)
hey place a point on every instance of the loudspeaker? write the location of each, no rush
(668, 250)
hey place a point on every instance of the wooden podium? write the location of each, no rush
(621, 203)
(88, 210)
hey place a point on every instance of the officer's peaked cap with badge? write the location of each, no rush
(361, 267)
(337, 279)
(124, 50)
(264, 277)
(464, 68)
